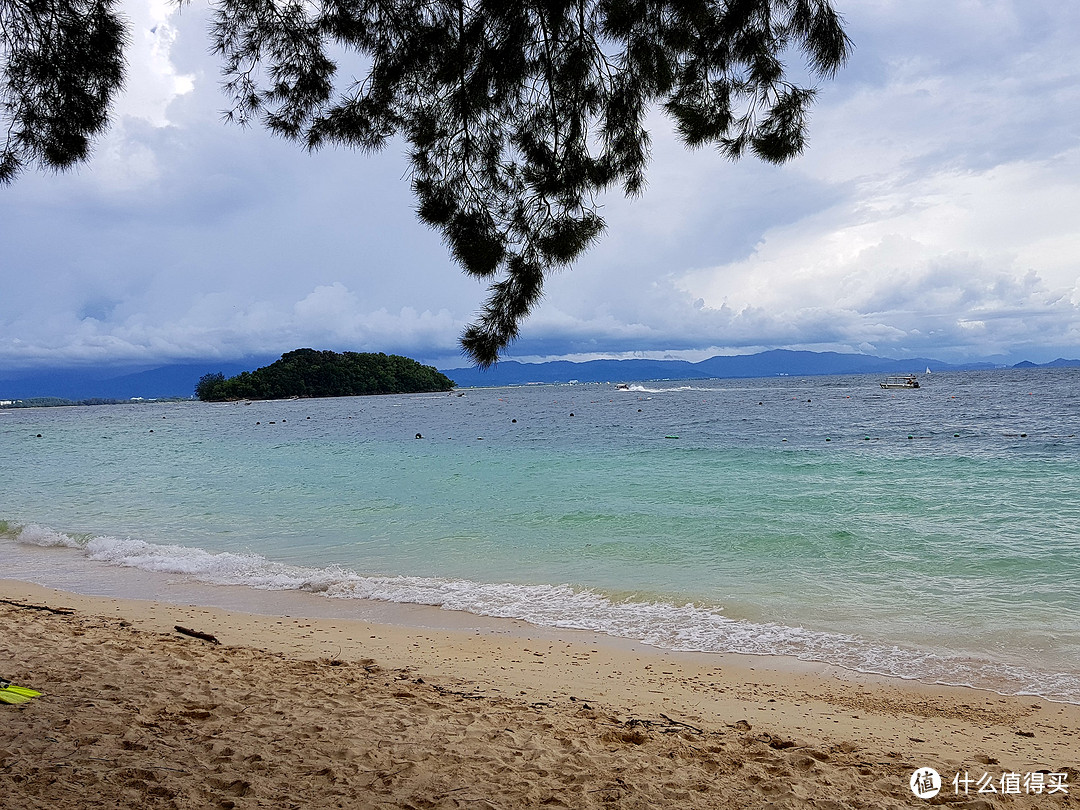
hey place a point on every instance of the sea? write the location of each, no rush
(929, 534)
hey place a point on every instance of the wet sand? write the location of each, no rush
(289, 712)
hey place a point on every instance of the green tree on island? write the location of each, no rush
(518, 113)
(310, 373)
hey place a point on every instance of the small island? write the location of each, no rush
(311, 373)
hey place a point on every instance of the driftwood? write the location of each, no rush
(197, 634)
(666, 726)
(681, 723)
(58, 611)
(442, 690)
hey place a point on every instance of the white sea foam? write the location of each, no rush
(34, 535)
(666, 625)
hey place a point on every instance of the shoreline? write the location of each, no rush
(783, 730)
(52, 567)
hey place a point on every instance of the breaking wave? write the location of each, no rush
(686, 627)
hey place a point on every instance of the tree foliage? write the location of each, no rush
(310, 373)
(518, 114)
(61, 66)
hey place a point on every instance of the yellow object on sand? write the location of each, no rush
(9, 693)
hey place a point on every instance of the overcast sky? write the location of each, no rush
(936, 213)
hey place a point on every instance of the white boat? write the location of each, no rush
(905, 381)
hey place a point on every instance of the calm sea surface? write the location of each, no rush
(930, 533)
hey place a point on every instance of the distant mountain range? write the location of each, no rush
(764, 364)
(179, 380)
(176, 380)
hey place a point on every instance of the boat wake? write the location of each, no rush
(638, 387)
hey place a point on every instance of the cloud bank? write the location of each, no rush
(932, 214)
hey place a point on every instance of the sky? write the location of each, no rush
(934, 213)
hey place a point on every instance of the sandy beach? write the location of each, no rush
(290, 712)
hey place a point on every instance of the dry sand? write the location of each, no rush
(290, 712)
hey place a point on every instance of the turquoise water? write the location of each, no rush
(931, 534)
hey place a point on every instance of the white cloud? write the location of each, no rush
(909, 263)
(153, 81)
(217, 326)
(330, 306)
(1015, 217)
(126, 160)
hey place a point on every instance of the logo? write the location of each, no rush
(926, 783)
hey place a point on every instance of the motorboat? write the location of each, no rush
(902, 381)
